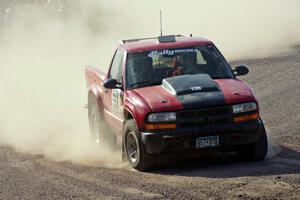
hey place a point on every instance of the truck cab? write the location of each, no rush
(173, 94)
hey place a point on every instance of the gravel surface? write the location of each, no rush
(277, 85)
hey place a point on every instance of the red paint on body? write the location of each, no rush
(159, 99)
(235, 91)
(148, 45)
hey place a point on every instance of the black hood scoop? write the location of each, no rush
(187, 84)
(195, 91)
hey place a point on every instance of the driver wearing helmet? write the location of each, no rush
(176, 69)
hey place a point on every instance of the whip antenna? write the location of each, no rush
(161, 29)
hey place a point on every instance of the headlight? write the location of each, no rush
(244, 107)
(162, 117)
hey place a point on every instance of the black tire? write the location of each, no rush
(256, 151)
(99, 130)
(134, 149)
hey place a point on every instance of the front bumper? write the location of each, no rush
(184, 140)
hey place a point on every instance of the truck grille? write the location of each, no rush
(204, 117)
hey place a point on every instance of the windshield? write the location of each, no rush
(151, 67)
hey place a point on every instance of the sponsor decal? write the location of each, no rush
(171, 52)
(116, 101)
(196, 88)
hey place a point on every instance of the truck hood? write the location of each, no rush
(194, 91)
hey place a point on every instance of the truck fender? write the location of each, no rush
(129, 113)
(129, 110)
(94, 92)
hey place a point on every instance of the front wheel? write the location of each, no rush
(256, 151)
(135, 152)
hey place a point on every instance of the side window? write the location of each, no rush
(116, 67)
(200, 59)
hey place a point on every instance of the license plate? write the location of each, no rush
(207, 142)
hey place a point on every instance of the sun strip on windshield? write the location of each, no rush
(171, 52)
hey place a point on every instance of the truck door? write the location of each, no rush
(114, 97)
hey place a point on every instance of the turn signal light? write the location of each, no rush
(159, 126)
(246, 118)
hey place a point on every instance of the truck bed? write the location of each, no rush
(94, 76)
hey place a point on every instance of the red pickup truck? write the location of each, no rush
(173, 94)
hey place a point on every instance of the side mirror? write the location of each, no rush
(240, 70)
(112, 83)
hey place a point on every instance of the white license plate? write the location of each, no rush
(207, 142)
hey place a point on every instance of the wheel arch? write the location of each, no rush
(130, 113)
(127, 115)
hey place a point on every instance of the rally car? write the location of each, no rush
(173, 94)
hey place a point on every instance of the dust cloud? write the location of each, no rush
(240, 28)
(273, 148)
(42, 59)
(42, 83)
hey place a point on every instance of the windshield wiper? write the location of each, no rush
(219, 77)
(146, 82)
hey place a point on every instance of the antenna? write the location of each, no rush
(161, 29)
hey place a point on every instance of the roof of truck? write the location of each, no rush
(164, 42)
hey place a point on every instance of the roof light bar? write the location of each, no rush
(161, 39)
(167, 38)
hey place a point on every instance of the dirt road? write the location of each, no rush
(276, 82)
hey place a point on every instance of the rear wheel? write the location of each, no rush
(135, 151)
(256, 151)
(99, 131)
